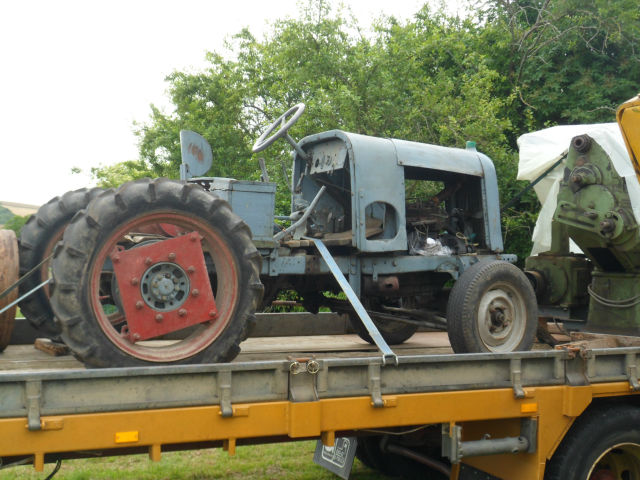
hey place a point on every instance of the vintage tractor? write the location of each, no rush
(163, 271)
(598, 207)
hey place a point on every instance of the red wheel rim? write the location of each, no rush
(226, 292)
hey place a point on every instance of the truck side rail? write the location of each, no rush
(33, 394)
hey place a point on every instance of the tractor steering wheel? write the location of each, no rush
(265, 140)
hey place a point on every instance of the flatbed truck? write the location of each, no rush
(419, 412)
(541, 405)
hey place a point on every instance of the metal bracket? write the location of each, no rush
(374, 386)
(515, 368)
(529, 430)
(455, 449)
(224, 393)
(632, 371)
(298, 228)
(302, 380)
(387, 353)
(33, 395)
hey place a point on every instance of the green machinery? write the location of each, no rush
(599, 290)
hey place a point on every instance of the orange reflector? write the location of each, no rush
(126, 437)
(529, 408)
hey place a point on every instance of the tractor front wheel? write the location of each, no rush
(492, 308)
(156, 272)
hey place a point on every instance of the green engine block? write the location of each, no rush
(595, 211)
(594, 205)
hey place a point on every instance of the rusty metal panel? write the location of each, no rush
(328, 156)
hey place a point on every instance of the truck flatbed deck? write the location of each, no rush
(26, 357)
(284, 388)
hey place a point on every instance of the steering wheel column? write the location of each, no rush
(283, 123)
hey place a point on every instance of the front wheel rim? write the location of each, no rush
(501, 318)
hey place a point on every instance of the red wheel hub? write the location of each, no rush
(164, 287)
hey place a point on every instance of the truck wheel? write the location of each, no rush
(38, 237)
(603, 444)
(492, 308)
(8, 276)
(369, 453)
(160, 277)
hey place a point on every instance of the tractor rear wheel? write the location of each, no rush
(38, 238)
(8, 276)
(152, 258)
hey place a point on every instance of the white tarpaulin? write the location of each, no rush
(539, 150)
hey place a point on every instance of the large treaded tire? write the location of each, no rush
(38, 238)
(76, 262)
(605, 438)
(498, 287)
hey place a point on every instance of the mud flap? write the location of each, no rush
(337, 459)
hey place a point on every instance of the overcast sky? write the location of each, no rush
(74, 75)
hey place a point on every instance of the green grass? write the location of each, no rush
(285, 461)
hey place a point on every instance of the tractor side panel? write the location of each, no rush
(378, 195)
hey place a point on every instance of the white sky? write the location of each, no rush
(74, 75)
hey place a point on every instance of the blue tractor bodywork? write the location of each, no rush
(366, 217)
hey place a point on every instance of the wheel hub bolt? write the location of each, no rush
(134, 281)
(159, 318)
(148, 261)
(136, 337)
(115, 258)
(139, 304)
(182, 312)
(213, 313)
(172, 256)
(191, 269)
(195, 292)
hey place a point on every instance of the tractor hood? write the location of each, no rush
(411, 154)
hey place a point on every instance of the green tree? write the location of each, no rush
(508, 67)
(16, 223)
(119, 173)
(5, 215)
(569, 61)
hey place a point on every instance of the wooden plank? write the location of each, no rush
(50, 347)
(27, 358)
(338, 343)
